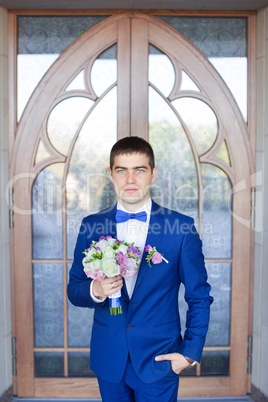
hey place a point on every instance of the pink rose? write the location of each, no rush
(96, 274)
(121, 258)
(157, 258)
(127, 270)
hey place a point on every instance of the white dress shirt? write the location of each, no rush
(131, 231)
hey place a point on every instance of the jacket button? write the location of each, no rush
(127, 302)
(129, 326)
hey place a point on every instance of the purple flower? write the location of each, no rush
(121, 258)
(157, 258)
(134, 251)
(147, 248)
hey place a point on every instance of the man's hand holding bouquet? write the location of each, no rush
(111, 258)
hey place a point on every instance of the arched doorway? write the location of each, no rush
(129, 75)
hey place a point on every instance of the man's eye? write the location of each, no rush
(139, 171)
(121, 171)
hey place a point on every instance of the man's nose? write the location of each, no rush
(130, 177)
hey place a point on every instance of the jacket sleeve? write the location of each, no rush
(193, 275)
(78, 288)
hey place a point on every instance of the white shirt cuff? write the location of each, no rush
(95, 299)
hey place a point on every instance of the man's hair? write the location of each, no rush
(132, 145)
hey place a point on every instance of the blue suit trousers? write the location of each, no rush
(132, 389)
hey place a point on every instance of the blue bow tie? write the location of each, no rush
(122, 216)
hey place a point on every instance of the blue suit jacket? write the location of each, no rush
(150, 323)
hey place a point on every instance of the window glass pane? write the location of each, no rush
(161, 71)
(219, 277)
(49, 364)
(176, 185)
(187, 84)
(48, 305)
(80, 321)
(51, 34)
(40, 42)
(79, 364)
(215, 363)
(47, 213)
(65, 119)
(104, 70)
(77, 83)
(223, 40)
(88, 186)
(214, 36)
(200, 120)
(217, 215)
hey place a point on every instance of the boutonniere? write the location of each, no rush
(153, 255)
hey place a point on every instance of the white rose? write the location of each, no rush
(102, 243)
(110, 268)
(123, 249)
(95, 264)
(111, 241)
(108, 252)
(90, 253)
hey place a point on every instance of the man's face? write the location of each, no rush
(132, 177)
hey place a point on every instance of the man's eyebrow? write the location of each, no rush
(141, 167)
(120, 167)
(134, 168)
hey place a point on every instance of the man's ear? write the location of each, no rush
(154, 174)
(110, 174)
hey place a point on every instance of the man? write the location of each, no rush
(138, 354)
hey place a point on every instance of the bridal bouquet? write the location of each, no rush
(109, 257)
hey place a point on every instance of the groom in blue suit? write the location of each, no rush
(138, 355)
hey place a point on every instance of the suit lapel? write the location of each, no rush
(154, 236)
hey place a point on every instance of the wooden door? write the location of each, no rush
(109, 84)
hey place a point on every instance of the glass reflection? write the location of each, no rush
(104, 70)
(64, 120)
(80, 321)
(48, 305)
(200, 120)
(47, 213)
(217, 216)
(219, 277)
(176, 186)
(161, 71)
(88, 186)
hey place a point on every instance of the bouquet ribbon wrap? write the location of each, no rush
(115, 303)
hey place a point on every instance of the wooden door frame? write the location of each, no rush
(26, 387)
